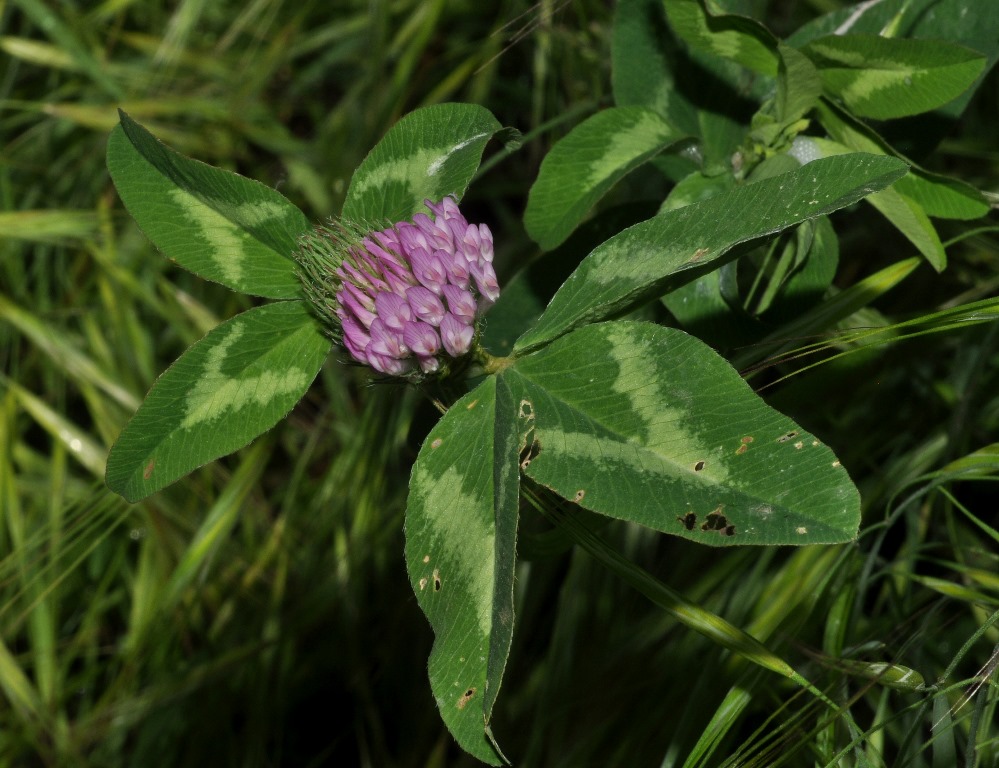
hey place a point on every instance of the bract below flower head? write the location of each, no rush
(403, 299)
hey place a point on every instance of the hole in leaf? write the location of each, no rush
(437, 580)
(529, 454)
(716, 521)
(689, 520)
(788, 436)
(579, 495)
(698, 466)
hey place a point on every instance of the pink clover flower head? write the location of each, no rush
(405, 299)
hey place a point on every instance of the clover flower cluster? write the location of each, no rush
(405, 299)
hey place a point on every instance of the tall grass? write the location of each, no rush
(233, 618)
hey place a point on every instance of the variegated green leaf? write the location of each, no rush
(655, 256)
(940, 196)
(883, 77)
(737, 38)
(974, 25)
(217, 224)
(430, 153)
(461, 529)
(228, 388)
(586, 163)
(647, 424)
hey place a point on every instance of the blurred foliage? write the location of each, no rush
(234, 618)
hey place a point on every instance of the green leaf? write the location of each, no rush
(647, 424)
(911, 220)
(695, 91)
(586, 163)
(798, 85)
(528, 292)
(903, 212)
(939, 196)
(696, 187)
(780, 292)
(883, 78)
(461, 530)
(430, 153)
(732, 37)
(656, 256)
(217, 224)
(702, 310)
(225, 390)
(642, 68)
(811, 278)
(973, 25)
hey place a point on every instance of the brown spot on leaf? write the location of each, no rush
(436, 444)
(472, 404)
(526, 410)
(148, 471)
(579, 495)
(741, 449)
(423, 583)
(426, 558)
(699, 254)
(747, 439)
(465, 698)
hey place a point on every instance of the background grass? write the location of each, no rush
(233, 618)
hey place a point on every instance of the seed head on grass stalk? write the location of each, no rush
(404, 299)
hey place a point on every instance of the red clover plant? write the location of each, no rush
(632, 420)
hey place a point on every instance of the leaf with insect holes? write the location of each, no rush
(461, 529)
(647, 424)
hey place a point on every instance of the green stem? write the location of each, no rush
(490, 364)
